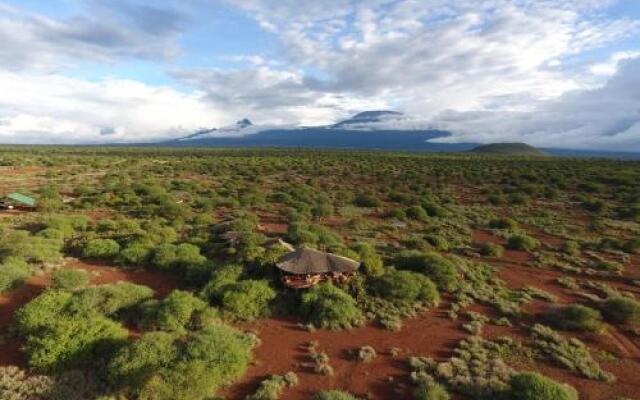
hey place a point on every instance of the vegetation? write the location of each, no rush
(209, 222)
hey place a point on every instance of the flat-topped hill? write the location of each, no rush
(521, 149)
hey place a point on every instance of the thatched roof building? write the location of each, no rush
(306, 261)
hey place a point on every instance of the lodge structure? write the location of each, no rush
(17, 201)
(304, 268)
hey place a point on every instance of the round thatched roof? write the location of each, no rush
(309, 261)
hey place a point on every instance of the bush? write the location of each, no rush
(503, 223)
(431, 391)
(101, 249)
(221, 280)
(522, 242)
(571, 247)
(491, 250)
(248, 300)
(372, 264)
(73, 341)
(533, 386)
(406, 286)
(272, 387)
(366, 200)
(576, 317)
(13, 272)
(621, 310)
(417, 213)
(334, 395)
(163, 366)
(110, 299)
(438, 268)
(69, 279)
(327, 306)
(178, 311)
(366, 354)
(31, 248)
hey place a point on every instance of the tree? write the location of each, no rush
(248, 300)
(101, 249)
(330, 307)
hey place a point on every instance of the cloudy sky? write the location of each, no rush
(558, 73)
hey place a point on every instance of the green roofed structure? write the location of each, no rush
(19, 200)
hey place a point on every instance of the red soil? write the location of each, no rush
(283, 349)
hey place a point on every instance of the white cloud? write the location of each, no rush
(55, 109)
(105, 32)
(603, 118)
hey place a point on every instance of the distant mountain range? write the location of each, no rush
(368, 130)
(512, 149)
(384, 130)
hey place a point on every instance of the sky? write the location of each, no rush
(552, 73)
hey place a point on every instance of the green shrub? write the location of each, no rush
(73, 341)
(571, 247)
(109, 299)
(441, 271)
(406, 286)
(372, 264)
(248, 300)
(632, 246)
(621, 310)
(334, 395)
(431, 391)
(101, 249)
(221, 280)
(576, 317)
(69, 279)
(13, 272)
(492, 250)
(272, 387)
(533, 386)
(366, 200)
(503, 223)
(23, 245)
(178, 311)
(327, 306)
(522, 242)
(417, 213)
(163, 366)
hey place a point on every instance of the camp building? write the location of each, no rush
(17, 200)
(306, 267)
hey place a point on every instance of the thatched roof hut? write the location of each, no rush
(306, 261)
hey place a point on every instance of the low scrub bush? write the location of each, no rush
(248, 300)
(576, 317)
(406, 286)
(13, 272)
(366, 354)
(569, 353)
(334, 395)
(522, 242)
(533, 386)
(177, 312)
(431, 391)
(101, 249)
(503, 223)
(491, 250)
(440, 269)
(621, 310)
(167, 366)
(69, 279)
(36, 249)
(272, 387)
(328, 306)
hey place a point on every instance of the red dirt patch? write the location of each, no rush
(283, 349)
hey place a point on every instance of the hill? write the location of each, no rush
(513, 149)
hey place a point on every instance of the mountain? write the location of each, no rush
(368, 117)
(384, 130)
(519, 149)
